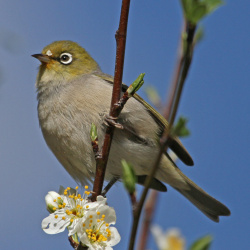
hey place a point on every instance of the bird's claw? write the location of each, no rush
(111, 121)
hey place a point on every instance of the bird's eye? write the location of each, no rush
(66, 58)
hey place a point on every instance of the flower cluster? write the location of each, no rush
(89, 221)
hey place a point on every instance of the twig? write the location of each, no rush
(133, 201)
(177, 87)
(147, 218)
(76, 245)
(101, 163)
(151, 202)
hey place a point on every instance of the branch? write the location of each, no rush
(101, 162)
(181, 72)
(147, 218)
(75, 245)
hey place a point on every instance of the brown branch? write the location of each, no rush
(147, 218)
(173, 87)
(182, 68)
(101, 163)
(76, 245)
(133, 201)
(151, 202)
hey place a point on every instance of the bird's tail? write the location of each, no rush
(172, 175)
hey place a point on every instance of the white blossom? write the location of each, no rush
(89, 221)
(66, 210)
(169, 240)
(95, 231)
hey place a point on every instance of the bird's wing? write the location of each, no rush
(175, 144)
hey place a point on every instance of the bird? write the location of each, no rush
(73, 93)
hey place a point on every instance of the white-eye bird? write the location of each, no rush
(73, 93)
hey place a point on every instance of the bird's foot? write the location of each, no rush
(111, 121)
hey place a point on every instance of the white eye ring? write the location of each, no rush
(66, 58)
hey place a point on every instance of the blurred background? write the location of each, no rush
(215, 99)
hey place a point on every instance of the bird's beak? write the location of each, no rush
(42, 58)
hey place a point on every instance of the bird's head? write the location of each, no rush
(64, 60)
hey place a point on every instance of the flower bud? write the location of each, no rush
(93, 132)
(52, 199)
(136, 85)
(128, 177)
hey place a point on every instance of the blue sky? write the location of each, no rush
(215, 99)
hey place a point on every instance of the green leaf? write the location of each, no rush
(202, 243)
(180, 129)
(212, 5)
(75, 238)
(198, 12)
(128, 176)
(195, 10)
(93, 132)
(136, 85)
(199, 35)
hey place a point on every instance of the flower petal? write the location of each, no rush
(115, 237)
(51, 225)
(101, 200)
(109, 212)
